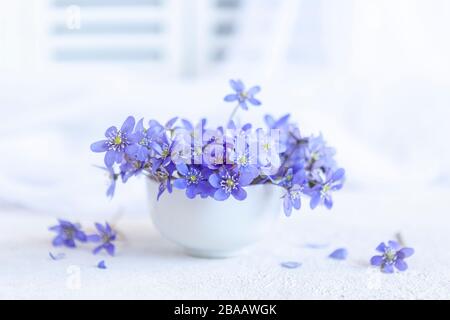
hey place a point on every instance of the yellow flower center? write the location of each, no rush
(118, 140)
(315, 156)
(390, 255)
(198, 151)
(69, 232)
(193, 178)
(230, 183)
(243, 160)
(105, 238)
(165, 153)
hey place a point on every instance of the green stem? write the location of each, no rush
(233, 114)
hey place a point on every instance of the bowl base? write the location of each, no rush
(213, 254)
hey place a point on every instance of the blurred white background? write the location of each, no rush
(372, 76)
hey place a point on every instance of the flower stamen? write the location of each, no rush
(229, 182)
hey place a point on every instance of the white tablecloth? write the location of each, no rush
(396, 183)
(148, 266)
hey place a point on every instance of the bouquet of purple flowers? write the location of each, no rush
(223, 162)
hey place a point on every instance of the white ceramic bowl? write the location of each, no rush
(212, 229)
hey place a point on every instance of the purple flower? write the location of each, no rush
(165, 180)
(216, 154)
(292, 199)
(281, 123)
(243, 161)
(193, 180)
(57, 256)
(322, 191)
(219, 162)
(294, 185)
(112, 186)
(131, 168)
(237, 130)
(161, 188)
(189, 127)
(101, 265)
(106, 235)
(112, 178)
(68, 233)
(291, 264)
(317, 154)
(269, 152)
(145, 139)
(316, 245)
(169, 125)
(117, 142)
(227, 182)
(190, 141)
(339, 254)
(289, 179)
(248, 172)
(163, 155)
(241, 95)
(162, 147)
(392, 255)
(289, 134)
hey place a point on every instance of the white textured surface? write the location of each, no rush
(48, 172)
(149, 267)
